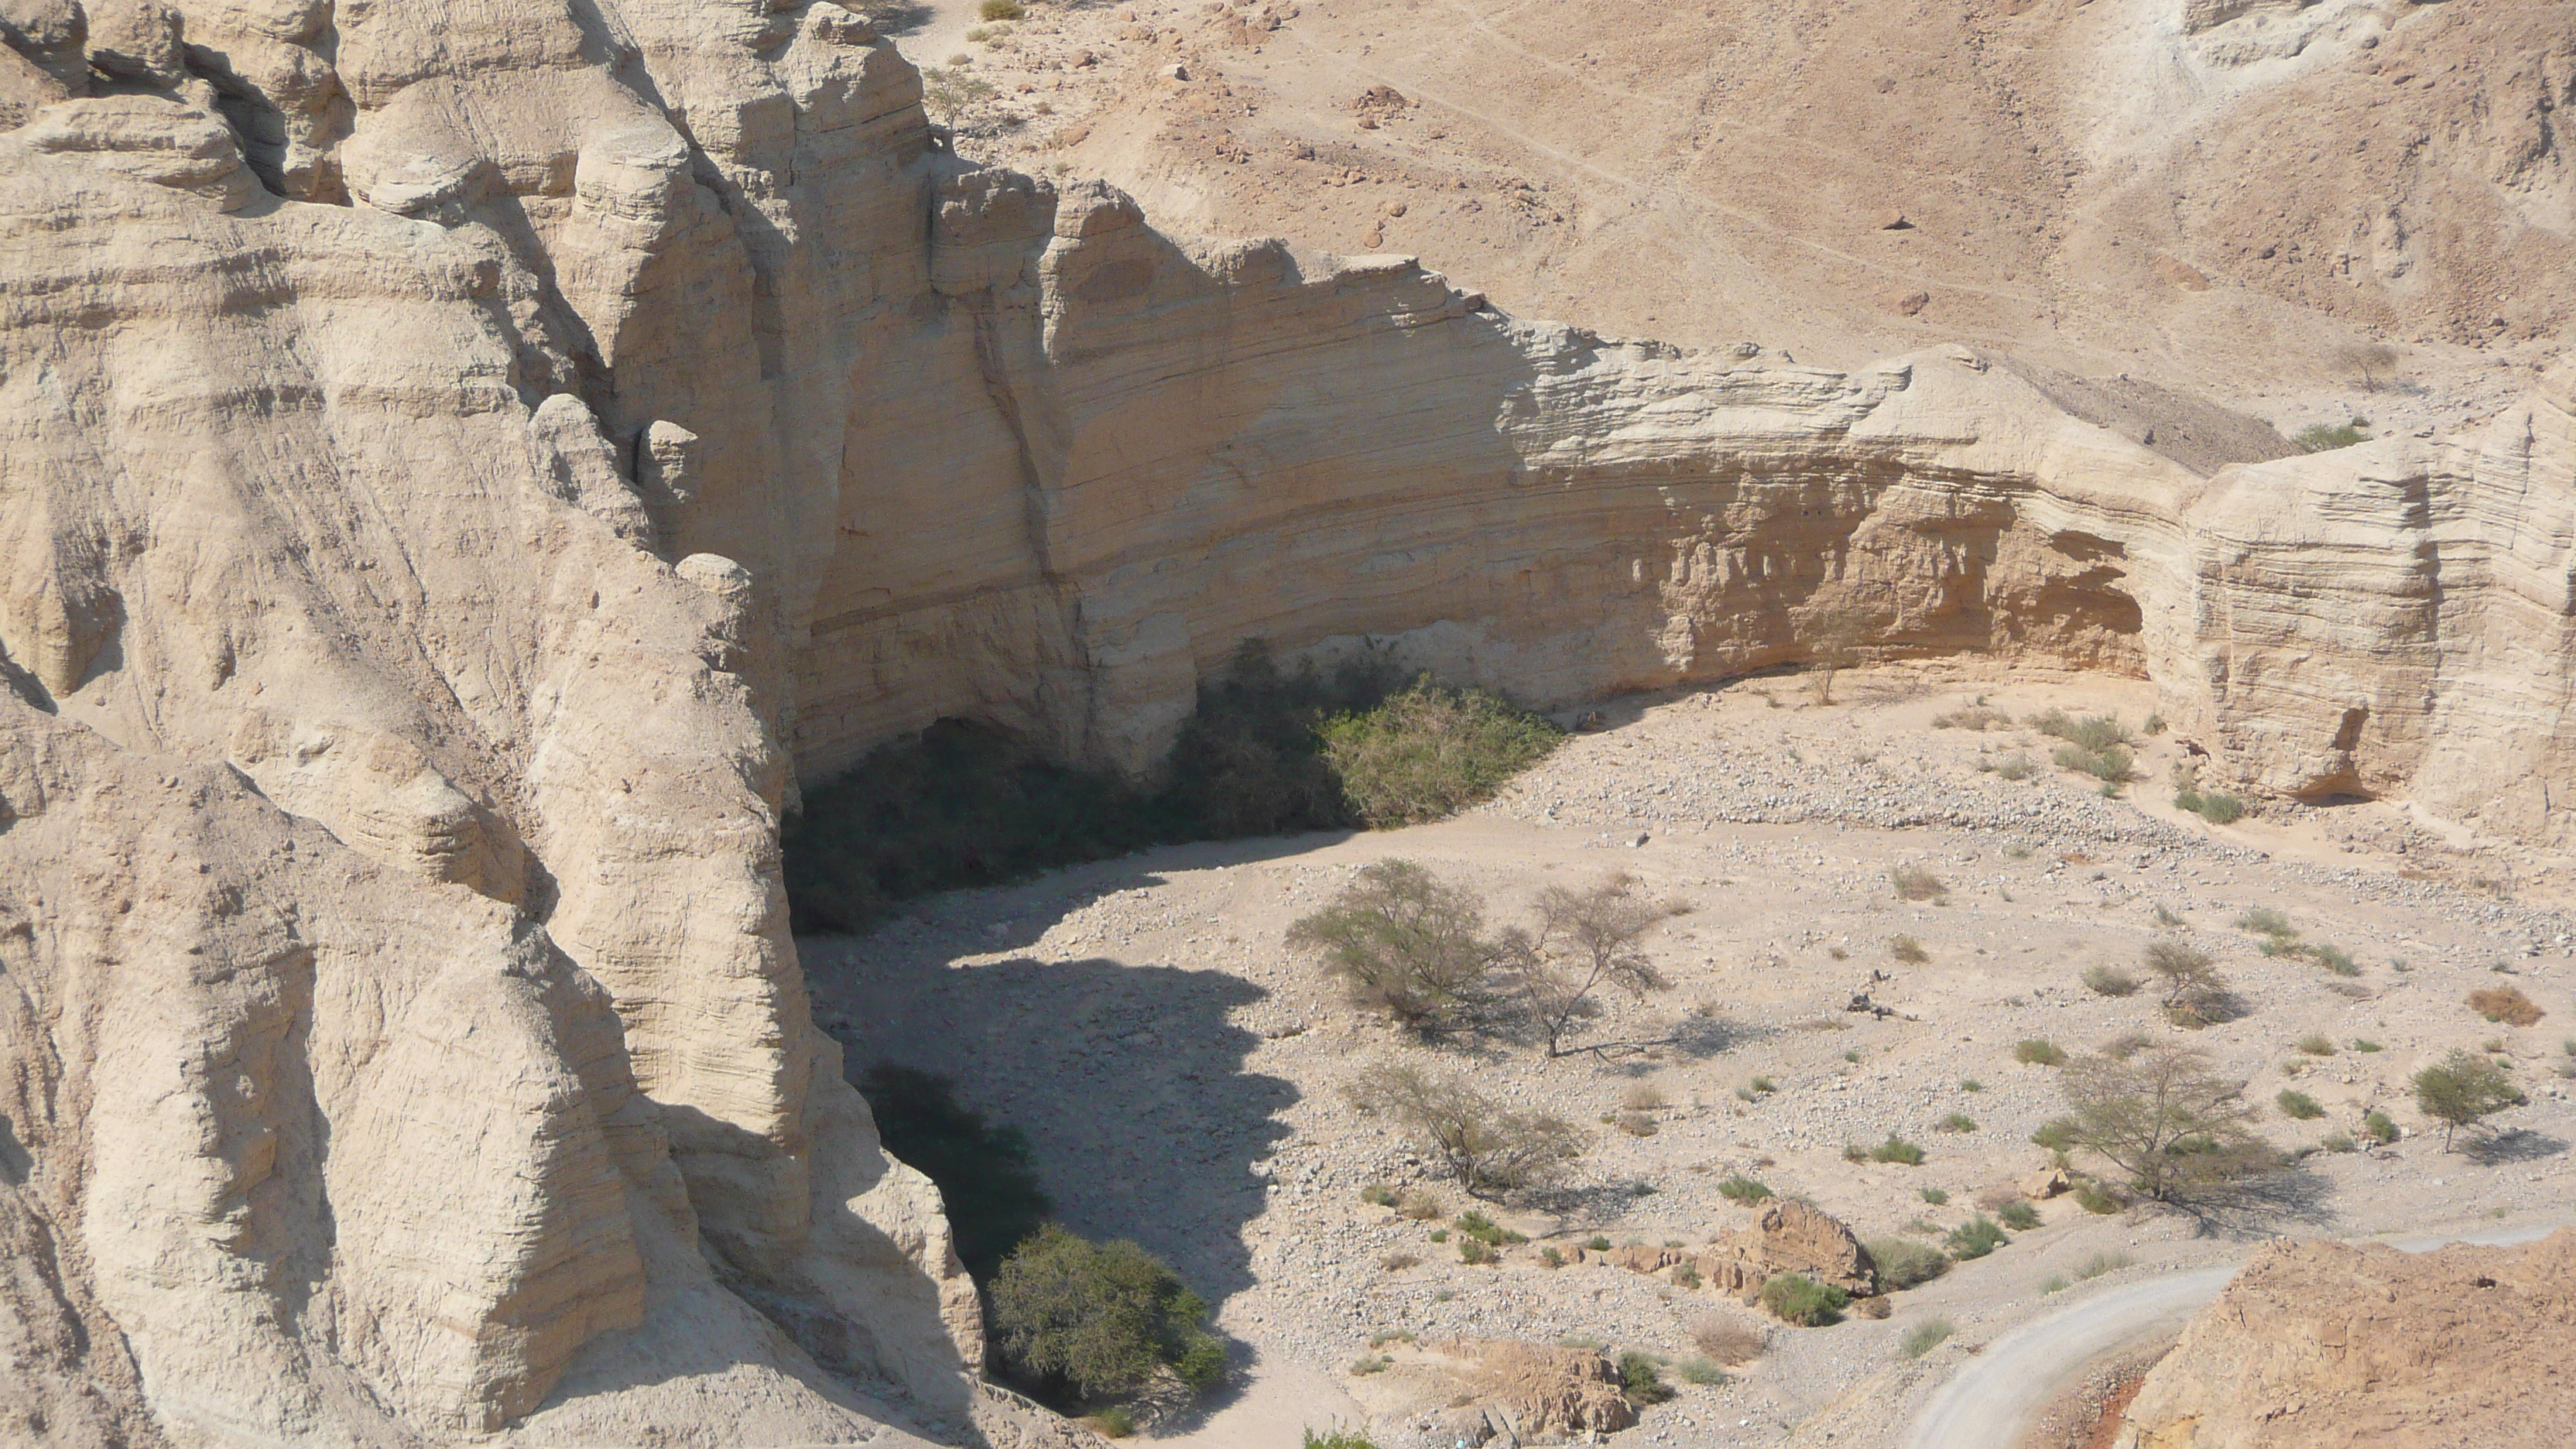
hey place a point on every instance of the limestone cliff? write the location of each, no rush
(457, 467)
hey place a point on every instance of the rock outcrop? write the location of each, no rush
(457, 470)
(1789, 1237)
(2324, 1343)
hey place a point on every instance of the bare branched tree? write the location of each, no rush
(1837, 634)
(2163, 1116)
(1586, 940)
(1486, 1147)
(2188, 977)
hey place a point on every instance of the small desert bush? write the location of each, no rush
(1914, 883)
(1484, 1229)
(1704, 1372)
(2015, 766)
(2211, 805)
(2190, 989)
(2021, 1217)
(2299, 1106)
(1956, 1122)
(1799, 1299)
(1398, 1262)
(1597, 1243)
(1643, 1097)
(2321, 438)
(1111, 1423)
(2110, 981)
(1000, 10)
(1429, 752)
(2264, 921)
(2316, 1044)
(2379, 1127)
(1738, 1188)
(2039, 1051)
(1420, 1206)
(2095, 1198)
(1476, 1251)
(2506, 1005)
(2337, 1142)
(2096, 732)
(1924, 1337)
(1906, 1263)
(1727, 1341)
(1641, 1379)
(1551, 1257)
(1972, 717)
(2053, 1283)
(1935, 1196)
(1976, 1237)
(2101, 1263)
(1897, 1150)
(1100, 1318)
(2114, 767)
(1378, 1194)
(1635, 1124)
(1908, 950)
(1337, 1438)
(2463, 1090)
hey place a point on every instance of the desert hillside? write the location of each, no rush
(469, 477)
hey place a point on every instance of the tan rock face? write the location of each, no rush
(1791, 1237)
(426, 569)
(2323, 1343)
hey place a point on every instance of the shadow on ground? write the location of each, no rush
(1127, 1075)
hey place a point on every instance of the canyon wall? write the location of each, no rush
(457, 469)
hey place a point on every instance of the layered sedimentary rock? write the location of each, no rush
(2326, 1343)
(456, 470)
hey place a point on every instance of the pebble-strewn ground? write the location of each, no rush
(1181, 1071)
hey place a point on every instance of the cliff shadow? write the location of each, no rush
(1127, 1075)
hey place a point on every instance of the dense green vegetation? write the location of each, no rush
(1099, 1318)
(1267, 753)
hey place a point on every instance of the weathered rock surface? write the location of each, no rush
(427, 567)
(2324, 1343)
(1790, 1237)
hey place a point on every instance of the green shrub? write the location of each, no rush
(1701, 1371)
(1402, 941)
(2299, 1106)
(2114, 767)
(1924, 1337)
(2039, 1051)
(1439, 1235)
(1485, 1146)
(1905, 1263)
(1597, 1243)
(2015, 766)
(1897, 1150)
(1428, 752)
(1971, 1084)
(2337, 1142)
(1976, 1237)
(2463, 1090)
(1640, 1380)
(2094, 1197)
(2264, 921)
(1956, 1122)
(1337, 1438)
(2316, 1044)
(2320, 438)
(1935, 1196)
(1099, 1317)
(2210, 805)
(2056, 1134)
(2097, 732)
(2379, 1127)
(1799, 1299)
(1477, 1251)
(999, 10)
(1378, 1194)
(1736, 1187)
(2110, 981)
(985, 1182)
(1485, 1230)
(1686, 1276)
(2365, 1044)
(2053, 1283)
(2021, 1217)
(1111, 1423)
(1551, 1257)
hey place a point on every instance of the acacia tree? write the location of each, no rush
(1405, 942)
(2164, 1117)
(1586, 940)
(2463, 1089)
(1487, 1147)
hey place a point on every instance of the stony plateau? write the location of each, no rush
(460, 469)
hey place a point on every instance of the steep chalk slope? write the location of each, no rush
(456, 469)
(2323, 1343)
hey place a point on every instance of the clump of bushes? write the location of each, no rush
(1897, 1150)
(2325, 438)
(2038, 1051)
(1738, 1188)
(1485, 1230)
(1906, 1263)
(1000, 10)
(1924, 1337)
(2299, 1106)
(1427, 752)
(2316, 1044)
(1976, 716)
(1956, 1122)
(1402, 941)
(1727, 1341)
(1641, 1380)
(1799, 1299)
(2110, 981)
(1100, 1318)
(2216, 807)
(965, 805)
(2506, 1005)
(2101, 1263)
(1976, 1237)
(2021, 1217)
(2097, 746)
(2192, 992)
